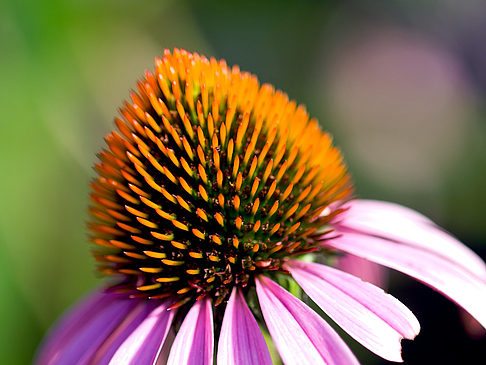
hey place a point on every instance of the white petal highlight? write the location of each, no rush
(144, 344)
(300, 335)
(404, 225)
(375, 319)
(445, 276)
(194, 343)
(241, 342)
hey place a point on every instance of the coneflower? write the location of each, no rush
(208, 196)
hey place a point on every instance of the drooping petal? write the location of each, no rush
(300, 335)
(241, 342)
(377, 208)
(472, 327)
(111, 344)
(68, 325)
(404, 225)
(366, 270)
(194, 343)
(144, 344)
(375, 319)
(434, 270)
(93, 328)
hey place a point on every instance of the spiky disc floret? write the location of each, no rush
(210, 179)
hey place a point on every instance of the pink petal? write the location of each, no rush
(370, 208)
(365, 270)
(145, 342)
(241, 342)
(194, 343)
(434, 270)
(373, 318)
(98, 322)
(300, 335)
(401, 224)
(473, 328)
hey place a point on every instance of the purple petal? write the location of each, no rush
(71, 336)
(145, 342)
(93, 326)
(404, 225)
(194, 343)
(68, 325)
(434, 270)
(241, 342)
(373, 318)
(300, 335)
(111, 344)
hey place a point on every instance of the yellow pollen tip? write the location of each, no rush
(202, 214)
(151, 270)
(155, 255)
(172, 262)
(168, 280)
(178, 245)
(180, 225)
(198, 234)
(196, 255)
(216, 240)
(149, 287)
(163, 237)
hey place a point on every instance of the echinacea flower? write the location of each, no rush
(213, 195)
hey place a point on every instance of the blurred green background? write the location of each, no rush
(400, 84)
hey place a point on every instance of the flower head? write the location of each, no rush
(210, 180)
(208, 195)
